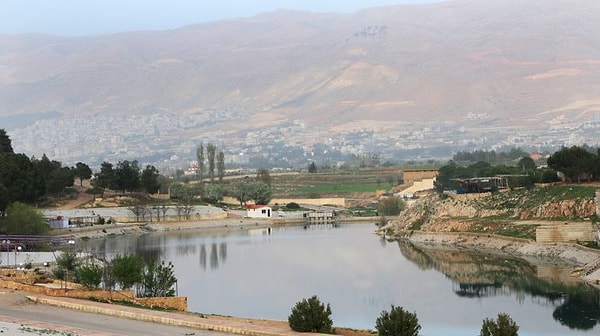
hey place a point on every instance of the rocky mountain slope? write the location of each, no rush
(488, 63)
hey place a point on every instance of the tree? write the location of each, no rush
(526, 163)
(21, 178)
(5, 143)
(82, 172)
(90, 275)
(105, 179)
(312, 167)
(260, 192)
(149, 179)
(574, 162)
(397, 322)
(241, 192)
(212, 193)
(23, 219)
(264, 176)
(310, 315)
(200, 158)
(66, 265)
(221, 165)
(4, 200)
(211, 152)
(127, 176)
(127, 270)
(158, 280)
(178, 190)
(502, 326)
(390, 206)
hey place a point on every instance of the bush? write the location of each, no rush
(90, 275)
(127, 270)
(311, 316)
(502, 326)
(397, 322)
(293, 205)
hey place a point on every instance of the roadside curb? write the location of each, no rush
(167, 318)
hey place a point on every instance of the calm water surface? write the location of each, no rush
(258, 274)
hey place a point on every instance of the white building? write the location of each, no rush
(258, 211)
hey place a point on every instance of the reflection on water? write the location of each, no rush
(261, 274)
(479, 275)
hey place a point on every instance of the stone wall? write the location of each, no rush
(191, 217)
(341, 202)
(338, 201)
(21, 280)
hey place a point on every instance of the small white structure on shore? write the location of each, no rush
(258, 211)
(60, 222)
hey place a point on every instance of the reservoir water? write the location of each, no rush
(262, 273)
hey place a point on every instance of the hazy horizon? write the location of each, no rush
(95, 17)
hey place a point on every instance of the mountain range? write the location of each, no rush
(487, 72)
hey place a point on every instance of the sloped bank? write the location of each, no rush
(584, 261)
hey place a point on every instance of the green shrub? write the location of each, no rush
(397, 322)
(293, 205)
(502, 326)
(90, 275)
(391, 206)
(310, 315)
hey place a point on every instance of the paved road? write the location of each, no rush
(81, 323)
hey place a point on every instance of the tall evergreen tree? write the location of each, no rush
(105, 179)
(5, 143)
(82, 172)
(200, 158)
(221, 165)
(149, 179)
(211, 150)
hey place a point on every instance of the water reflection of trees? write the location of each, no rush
(217, 256)
(480, 275)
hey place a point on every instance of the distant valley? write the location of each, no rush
(285, 88)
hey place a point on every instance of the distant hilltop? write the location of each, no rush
(456, 73)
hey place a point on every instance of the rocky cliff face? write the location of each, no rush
(458, 213)
(581, 208)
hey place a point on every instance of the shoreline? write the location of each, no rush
(580, 257)
(210, 225)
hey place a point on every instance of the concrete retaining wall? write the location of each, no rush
(567, 232)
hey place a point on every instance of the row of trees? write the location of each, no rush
(126, 176)
(311, 315)
(256, 190)
(30, 180)
(574, 163)
(151, 279)
(214, 159)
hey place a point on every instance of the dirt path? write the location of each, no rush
(82, 197)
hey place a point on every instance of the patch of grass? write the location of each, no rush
(339, 182)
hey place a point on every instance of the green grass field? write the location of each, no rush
(323, 184)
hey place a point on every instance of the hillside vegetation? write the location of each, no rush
(501, 212)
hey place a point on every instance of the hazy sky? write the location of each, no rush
(89, 17)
